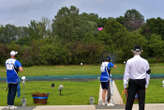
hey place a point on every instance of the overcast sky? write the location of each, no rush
(21, 12)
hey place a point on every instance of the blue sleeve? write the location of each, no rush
(110, 65)
(17, 64)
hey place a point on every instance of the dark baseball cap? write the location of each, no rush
(137, 48)
(108, 58)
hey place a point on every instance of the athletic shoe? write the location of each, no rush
(8, 107)
(110, 104)
(11, 107)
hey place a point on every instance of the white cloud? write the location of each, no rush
(71, 2)
(21, 12)
(13, 3)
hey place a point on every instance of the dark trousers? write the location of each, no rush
(12, 89)
(136, 86)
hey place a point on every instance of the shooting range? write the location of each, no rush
(51, 52)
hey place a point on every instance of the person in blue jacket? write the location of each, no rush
(105, 77)
(13, 66)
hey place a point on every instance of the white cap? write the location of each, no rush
(13, 53)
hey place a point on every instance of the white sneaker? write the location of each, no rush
(110, 104)
(8, 107)
(11, 107)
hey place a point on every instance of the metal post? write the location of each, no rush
(23, 99)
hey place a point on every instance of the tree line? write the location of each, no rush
(72, 37)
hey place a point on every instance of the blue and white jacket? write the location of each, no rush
(12, 68)
(105, 68)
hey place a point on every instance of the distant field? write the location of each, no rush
(154, 93)
(74, 92)
(61, 70)
(75, 70)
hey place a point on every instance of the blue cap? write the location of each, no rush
(108, 58)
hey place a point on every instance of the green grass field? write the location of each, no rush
(74, 92)
(154, 92)
(75, 70)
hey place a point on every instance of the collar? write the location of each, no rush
(137, 56)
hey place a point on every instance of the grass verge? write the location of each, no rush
(154, 93)
(74, 92)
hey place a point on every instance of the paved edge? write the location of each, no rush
(66, 107)
(116, 95)
(117, 99)
(156, 106)
(55, 107)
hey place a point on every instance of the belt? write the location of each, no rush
(137, 79)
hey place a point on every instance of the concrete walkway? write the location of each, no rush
(135, 107)
(116, 97)
(86, 107)
(64, 107)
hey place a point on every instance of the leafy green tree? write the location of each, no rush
(3, 53)
(38, 30)
(135, 38)
(105, 37)
(73, 38)
(153, 26)
(89, 17)
(65, 22)
(101, 22)
(85, 52)
(112, 27)
(70, 26)
(133, 19)
(156, 46)
(8, 33)
(121, 20)
(24, 37)
(117, 37)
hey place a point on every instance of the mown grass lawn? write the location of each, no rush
(75, 70)
(154, 93)
(74, 92)
(57, 70)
